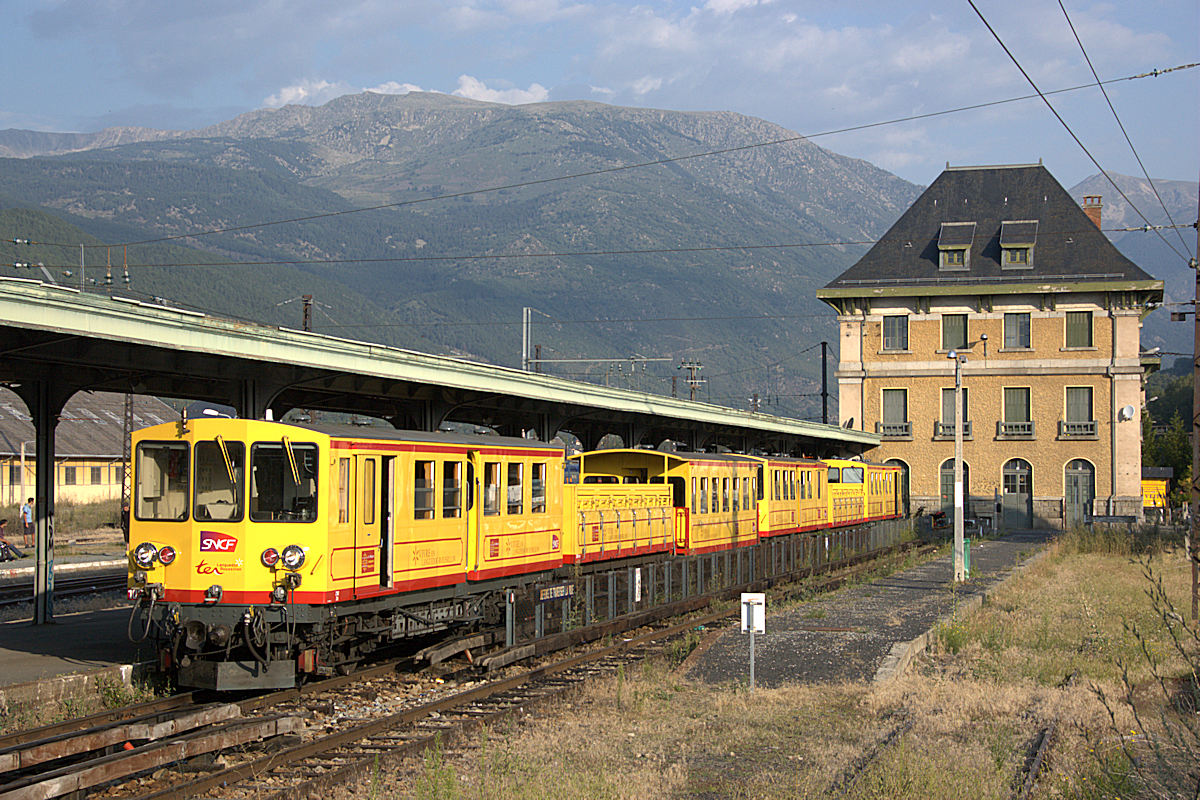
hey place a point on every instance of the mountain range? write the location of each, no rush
(476, 210)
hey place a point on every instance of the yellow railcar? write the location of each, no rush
(792, 495)
(722, 497)
(625, 503)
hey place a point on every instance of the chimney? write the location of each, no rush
(1091, 207)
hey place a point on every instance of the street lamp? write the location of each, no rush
(959, 561)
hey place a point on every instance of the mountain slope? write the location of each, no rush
(642, 260)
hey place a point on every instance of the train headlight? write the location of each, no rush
(166, 555)
(144, 554)
(270, 557)
(279, 594)
(213, 594)
(293, 556)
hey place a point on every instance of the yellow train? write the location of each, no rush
(260, 550)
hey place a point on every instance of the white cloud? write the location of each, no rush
(394, 87)
(730, 6)
(646, 84)
(307, 92)
(475, 89)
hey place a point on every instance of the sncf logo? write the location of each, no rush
(213, 542)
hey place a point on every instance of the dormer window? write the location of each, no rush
(1017, 240)
(954, 245)
(1016, 256)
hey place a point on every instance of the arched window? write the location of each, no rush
(1079, 490)
(947, 485)
(1017, 489)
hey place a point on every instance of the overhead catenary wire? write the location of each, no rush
(1067, 127)
(643, 164)
(572, 253)
(1121, 125)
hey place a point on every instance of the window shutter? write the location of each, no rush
(895, 405)
(954, 331)
(1079, 329)
(1016, 405)
(1079, 404)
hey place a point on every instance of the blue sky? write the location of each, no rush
(81, 65)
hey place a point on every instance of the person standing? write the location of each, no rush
(27, 516)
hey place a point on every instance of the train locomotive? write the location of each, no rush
(262, 552)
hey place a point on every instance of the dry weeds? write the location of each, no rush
(973, 714)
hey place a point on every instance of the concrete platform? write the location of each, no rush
(80, 642)
(851, 635)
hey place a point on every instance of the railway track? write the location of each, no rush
(16, 593)
(295, 742)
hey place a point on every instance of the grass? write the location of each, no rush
(100, 694)
(975, 707)
(70, 519)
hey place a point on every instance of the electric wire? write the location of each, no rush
(1121, 125)
(299, 262)
(1067, 127)
(638, 165)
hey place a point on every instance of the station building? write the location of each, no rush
(1001, 267)
(89, 440)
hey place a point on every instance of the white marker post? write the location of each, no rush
(754, 620)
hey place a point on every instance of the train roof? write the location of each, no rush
(678, 455)
(429, 437)
(372, 433)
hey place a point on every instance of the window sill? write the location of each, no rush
(1015, 350)
(895, 438)
(1079, 437)
(1074, 349)
(1015, 437)
(893, 352)
(951, 438)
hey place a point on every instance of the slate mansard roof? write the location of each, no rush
(1068, 248)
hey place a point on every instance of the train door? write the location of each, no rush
(387, 523)
(367, 526)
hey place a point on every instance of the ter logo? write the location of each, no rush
(214, 542)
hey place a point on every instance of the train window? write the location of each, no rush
(424, 479)
(491, 488)
(725, 494)
(283, 482)
(695, 497)
(537, 488)
(368, 492)
(516, 471)
(852, 475)
(791, 485)
(162, 481)
(451, 489)
(736, 506)
(746, 492)
(778, 494)
(715, 506)
(220, 466)
(704, 495)
(343, 490)
(834, 475)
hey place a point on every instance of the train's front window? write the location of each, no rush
(162, 481)
(220, 467)
(283, 482)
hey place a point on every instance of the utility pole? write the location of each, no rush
(525, 323)
(754, 403)
(308, 303)
(127, 466)
(692, 381)
(824, 383)
(959, 561)
(1193, 546)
